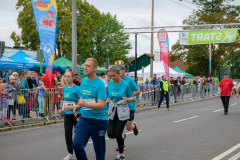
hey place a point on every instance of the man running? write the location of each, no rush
(136, 91)
(94, 114)
(225, 86)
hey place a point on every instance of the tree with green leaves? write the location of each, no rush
(197, 56)
(109, 40)
(16, 39)
(98, 35)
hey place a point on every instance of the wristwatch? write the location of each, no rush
(127, 100)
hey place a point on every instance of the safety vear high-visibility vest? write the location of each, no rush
(165, 85)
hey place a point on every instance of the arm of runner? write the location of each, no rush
(99, 105)
(107, 100)
(128, 99)
(67, 107)
(137, 92)
(219, 89)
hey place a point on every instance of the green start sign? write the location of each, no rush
(207, 37)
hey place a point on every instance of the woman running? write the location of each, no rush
(119, 94)
(71, 94)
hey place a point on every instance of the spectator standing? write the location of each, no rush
(41, 94)
(164, 92)
(11, 88)
(17, 82)
(208, 81)
(4, 105)
(25, 87)
(195, 84)
(9, 73)
(31, 80)
(153, 84)
(226, 88)
(49, 95)
(63, 78)
(216, 80)
(235, 85)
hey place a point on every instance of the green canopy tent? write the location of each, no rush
(64, 62)
(181, 71)
(99, 70)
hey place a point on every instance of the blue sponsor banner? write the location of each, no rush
(45, 12)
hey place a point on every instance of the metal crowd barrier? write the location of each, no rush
(30, 104)
(150, 95)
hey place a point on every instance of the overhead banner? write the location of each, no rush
(164, 50)
(45, 12)
(207, 37)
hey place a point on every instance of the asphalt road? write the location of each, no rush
(194, 131)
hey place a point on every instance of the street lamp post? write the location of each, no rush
(74, 37)
(152, 25)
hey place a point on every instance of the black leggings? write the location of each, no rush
(115, 130)
(225, 101)
(70, 121)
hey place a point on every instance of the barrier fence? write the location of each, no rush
(26, 104)
(150, 94)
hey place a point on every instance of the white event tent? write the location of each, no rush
(158, 69)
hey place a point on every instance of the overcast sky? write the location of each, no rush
(133, 13)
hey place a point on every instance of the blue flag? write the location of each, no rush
(45, 12)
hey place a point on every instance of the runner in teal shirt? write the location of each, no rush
(91, 91)
(134, 88)
(94, 115)
(116, 92)
(71, 94)
(136, 91)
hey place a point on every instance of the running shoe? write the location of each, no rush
(68, 157)
(135, 130)
(120, 157)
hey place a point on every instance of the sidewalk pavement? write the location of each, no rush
(43, 122)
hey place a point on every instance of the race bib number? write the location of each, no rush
(69, 103)
(89, 101)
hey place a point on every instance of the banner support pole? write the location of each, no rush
(210, 59)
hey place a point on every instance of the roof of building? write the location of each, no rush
(178, 63)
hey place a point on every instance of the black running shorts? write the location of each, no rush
(131, 116)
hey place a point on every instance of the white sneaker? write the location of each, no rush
(69, 157)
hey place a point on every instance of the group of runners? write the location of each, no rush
(86, 108)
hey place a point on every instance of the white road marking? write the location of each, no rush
(186, 119)
(218, 110)
(109, 138)
(227, 152)
(222, 108)
(235, 157)
(233, 104)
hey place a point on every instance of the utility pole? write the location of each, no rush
(74, 37)
(152, 25)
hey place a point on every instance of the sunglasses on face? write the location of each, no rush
(15, 75)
